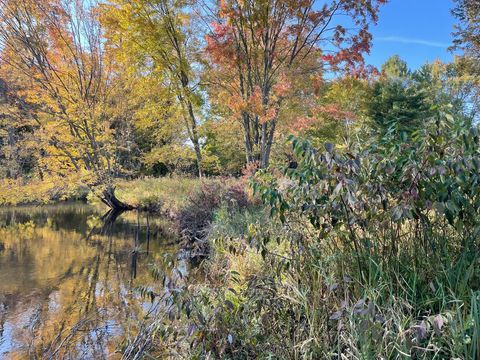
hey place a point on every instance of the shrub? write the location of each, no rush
(195, 217)
(400, 220)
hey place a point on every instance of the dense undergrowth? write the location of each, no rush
(366, 253)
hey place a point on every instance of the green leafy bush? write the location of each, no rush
(400, 219)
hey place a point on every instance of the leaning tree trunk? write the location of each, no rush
(108, 198)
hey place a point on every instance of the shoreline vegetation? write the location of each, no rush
(163, 196)
(324, 259)
(187, 201)
(22, 193)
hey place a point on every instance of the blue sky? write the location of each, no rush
(417, 30)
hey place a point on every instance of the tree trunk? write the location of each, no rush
(198, 155)
(194, 138)
(247, 139)
(108, 198)
(267, 141)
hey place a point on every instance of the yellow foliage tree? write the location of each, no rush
(54, 49)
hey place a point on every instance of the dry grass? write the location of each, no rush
(161, 195)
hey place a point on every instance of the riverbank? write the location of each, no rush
(41, 192)
(165, 196)
(190, 203)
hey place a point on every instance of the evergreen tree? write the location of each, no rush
(398, 105)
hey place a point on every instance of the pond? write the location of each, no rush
(69, 278)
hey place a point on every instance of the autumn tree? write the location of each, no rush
(54, 49)
(265, 52)
(16, 127)
(341, 111)
(467, 31)
(450, 88)
(157, 35)
(160, 130)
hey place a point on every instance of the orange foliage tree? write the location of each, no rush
(263, 54)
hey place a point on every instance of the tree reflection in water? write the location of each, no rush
(67, 278)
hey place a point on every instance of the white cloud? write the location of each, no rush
(404, 40)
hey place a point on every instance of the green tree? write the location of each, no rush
(223, 148)
(395, 67)
(449, 88)
(398, 105)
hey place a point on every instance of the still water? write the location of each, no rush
(69, 279)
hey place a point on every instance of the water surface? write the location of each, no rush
(69, 279)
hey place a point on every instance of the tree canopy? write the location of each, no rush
(98, 92)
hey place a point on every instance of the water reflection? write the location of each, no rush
(67, 279)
